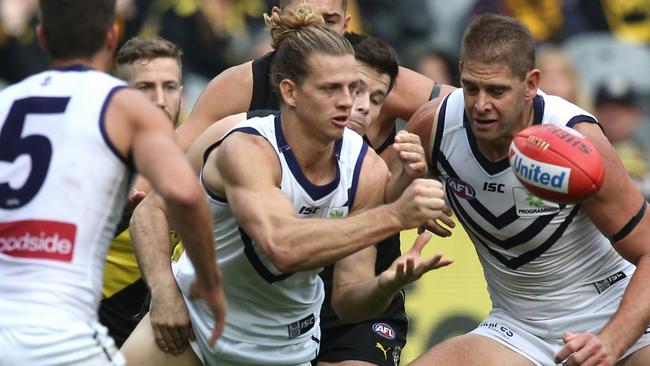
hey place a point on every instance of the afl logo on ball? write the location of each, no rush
(384, 330)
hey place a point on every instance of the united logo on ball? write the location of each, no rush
(556, 163)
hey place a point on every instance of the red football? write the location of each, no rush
(556, 163)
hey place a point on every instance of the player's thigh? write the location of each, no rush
(471, 350)
(141, 349)
(77, 343)
(345, 363)
(638, 358)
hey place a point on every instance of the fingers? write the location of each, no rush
(422, 201)
(403, 137)
(437, 229)
(583, 349)
(135, 197)
(447, 211)
(218, 329)
(435, 262)
(447, 221)
(421, 241)
(171, 338)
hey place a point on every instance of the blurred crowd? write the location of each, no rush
(595, 53)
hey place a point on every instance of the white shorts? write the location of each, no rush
(234, 353)
(540, 341)
(77, 344)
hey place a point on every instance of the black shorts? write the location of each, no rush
(377, 341)
(122, 312)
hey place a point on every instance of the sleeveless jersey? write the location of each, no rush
(266, 306)
(263, 102)
(534, 253)
(62, 189)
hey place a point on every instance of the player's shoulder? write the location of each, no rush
(242, 73)
(561, 109)
(426, 117)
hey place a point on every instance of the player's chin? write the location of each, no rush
(484, 124)
(357, 127)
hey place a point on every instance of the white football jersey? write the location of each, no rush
(534, 253)
(62, 189)
(266, 306)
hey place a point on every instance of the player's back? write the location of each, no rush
(62, 189)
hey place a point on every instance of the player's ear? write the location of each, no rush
(112, 37)
(288, 92)
(40, 35)
(346, 23)
(532, 82)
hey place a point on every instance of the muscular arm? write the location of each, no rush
(610, 211)
(140, 129)
(210, 136)
(424, 123)
(411, 91)
(157, 158)
(357, 293)
(298, 244)
(219, 99)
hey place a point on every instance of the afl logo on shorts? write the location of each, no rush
(384, 330)
(461, 188)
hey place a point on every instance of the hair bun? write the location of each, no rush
(291, 20)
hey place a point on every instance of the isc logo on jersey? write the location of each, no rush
(543, 175)
(384, 330)
(38, 239)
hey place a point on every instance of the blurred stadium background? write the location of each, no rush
(592, 52)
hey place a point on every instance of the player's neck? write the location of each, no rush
(98, 62)
(315, 157)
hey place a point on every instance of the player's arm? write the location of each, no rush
(420, 125)
(407, 162)
(210, 136)
(298, 244)
(218, 100)
(424, 124)
(139, 129)
(357, 294)
(618, 212)
(410, 92)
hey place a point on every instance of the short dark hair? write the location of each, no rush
(285, 3)
(145, 48)
(74, 28)
(375, 53)
(495, 38)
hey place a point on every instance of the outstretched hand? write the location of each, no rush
(215, 299)
(583, 349)
(410, 266)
